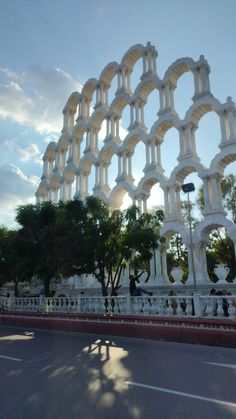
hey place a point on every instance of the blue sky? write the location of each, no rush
(50, 48)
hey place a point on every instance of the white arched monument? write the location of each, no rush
(65, 169)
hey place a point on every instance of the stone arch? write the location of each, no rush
(118, 193)
(200, 107)
(98, 117)
(73, 101)
(51, 150)
(177, 69)
(171, 229)
(204, 228)
(133, 55)
(162, 125)
(183, 169)
(223, 159)
(132, 139)
(119, 103)
(109, 72)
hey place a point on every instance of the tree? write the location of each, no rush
(37, 234)
(106, 242)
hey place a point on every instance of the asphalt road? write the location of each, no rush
(56, 375)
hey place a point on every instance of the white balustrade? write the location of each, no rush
(219, 306)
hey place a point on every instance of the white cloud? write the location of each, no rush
(36, 97)
(15, 189)
(30, 153)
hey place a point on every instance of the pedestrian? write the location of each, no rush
(134, 290)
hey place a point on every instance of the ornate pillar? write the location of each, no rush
(129, 160)
(230, 106)
(201, 264)
(119, 164)
(166, 203)
(124, 163)
(153, 159)
(131, 115)
(223, 127)
(204, 74)
(197, 82)
(172, 203)
(164, 264)
(205, 181)
(162, 99)
(76, 151)
(216, 198)
(144, 64)
(147, 145)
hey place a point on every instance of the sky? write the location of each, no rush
(50, 48)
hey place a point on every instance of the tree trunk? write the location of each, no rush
(46, 287)
(16, 290)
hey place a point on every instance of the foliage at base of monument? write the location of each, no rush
(76, 237)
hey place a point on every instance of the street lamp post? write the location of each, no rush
(187, 188)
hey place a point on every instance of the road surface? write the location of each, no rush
(59, 375)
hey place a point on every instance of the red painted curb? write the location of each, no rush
(195, 331)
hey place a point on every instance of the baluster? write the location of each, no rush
(188, 309)
(162, 306)
(179, 310)
(170, 309)
(145, 305)
(207, 308)
(231, 309)
(220, 310)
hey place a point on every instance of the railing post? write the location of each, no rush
(9, 303)
(128, 304)
(40, 303)
(78, 304)
(197, 305)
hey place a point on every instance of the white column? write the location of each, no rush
(131, 114)
(190, 270)
(144, 204)
(166, 203)
(172, 203)
(136, 113)
(153, 152)
(124, 164)
(215, 192)
(142, 115)
(107, 126)
(96, 174)
(101, 171)
(144, 64)
(206, 193)
(178, 204)
(65, 119)
(106, 176)
(119, 164)
(112, 126)
(167, 96)
(119, 80)
(45, 167)
(204, 74)
(164, 264)
(77, 184)
(158, 155)
(162, 99)
(129, 158)
(147, 154)
(223, 127)
(197, 83)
